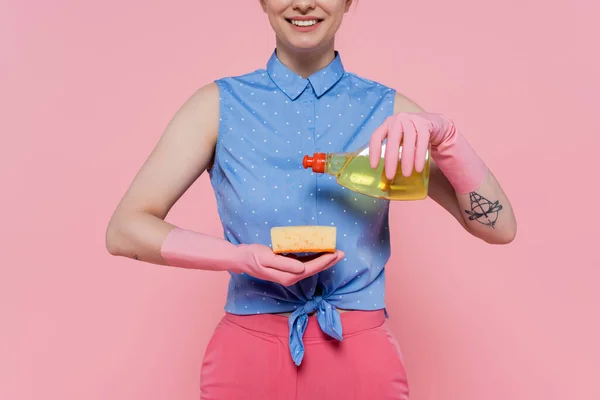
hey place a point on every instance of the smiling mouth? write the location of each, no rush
(304, 24)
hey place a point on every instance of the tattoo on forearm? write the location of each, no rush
(483, 211)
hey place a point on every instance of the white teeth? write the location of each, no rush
(304, 23)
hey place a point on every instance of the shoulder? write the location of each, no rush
(198, 117)
(404, 104)
(205, 95)
(201, 108)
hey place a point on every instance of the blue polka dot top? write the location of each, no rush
(269, 119)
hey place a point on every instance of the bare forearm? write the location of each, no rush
(487, 212)
(137, 235)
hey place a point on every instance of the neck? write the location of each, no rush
(305, 63)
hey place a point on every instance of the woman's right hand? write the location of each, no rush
(260, 262)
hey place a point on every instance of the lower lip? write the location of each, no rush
(305, 28)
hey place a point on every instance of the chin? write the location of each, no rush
(306, 45)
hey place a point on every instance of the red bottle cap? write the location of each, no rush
(316, 162)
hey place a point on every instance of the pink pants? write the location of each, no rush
(248, 358)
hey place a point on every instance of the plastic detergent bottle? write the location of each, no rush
(353, 171)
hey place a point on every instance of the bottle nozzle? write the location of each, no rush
(307, 161)
(316, 162)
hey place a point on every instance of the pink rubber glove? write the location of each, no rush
(193, 250)
(449, 149)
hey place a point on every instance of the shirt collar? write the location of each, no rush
(293, 84)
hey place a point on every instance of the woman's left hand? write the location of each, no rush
(414, 131)
(456, 159)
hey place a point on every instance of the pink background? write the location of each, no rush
(86, 88)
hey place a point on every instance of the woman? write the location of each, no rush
(299, 329)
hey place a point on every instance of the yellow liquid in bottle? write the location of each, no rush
(355, 173)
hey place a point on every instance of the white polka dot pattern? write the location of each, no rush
(269, 120)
